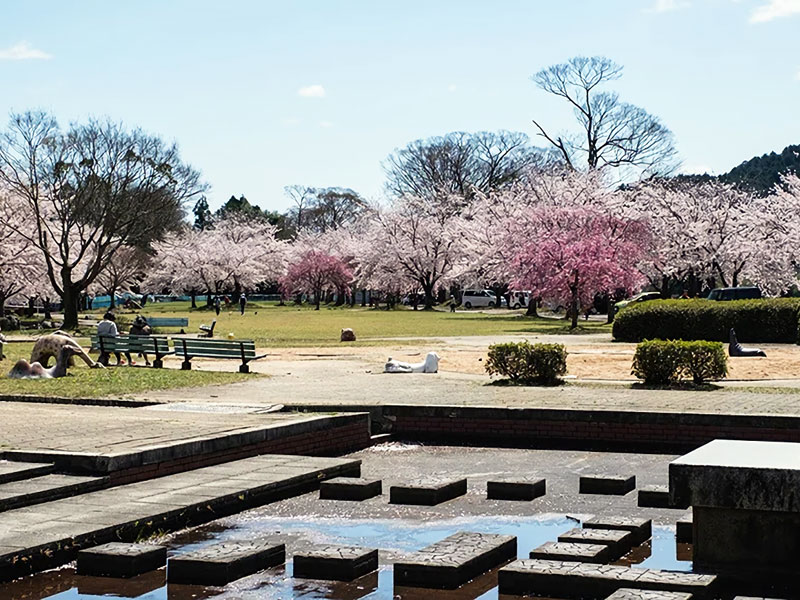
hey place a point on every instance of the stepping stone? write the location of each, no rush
(570, 579)
(630, 594)
(455, 560)
(349, 488)
(516, 489)
(615, 485)
(591, 553)
(121, 560)
(641, 529)
(654, 496)
(15, 471)
(339, 563)
(427, 494)
(684, 528)
(619, 542)
(222, 563)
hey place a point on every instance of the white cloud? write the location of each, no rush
(312, 91)
(23, 51)
(325, 124)
(662, 6)
(775, 9)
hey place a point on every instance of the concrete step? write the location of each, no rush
(26, 492)
(15, 471)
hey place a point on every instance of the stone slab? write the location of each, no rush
(615, 485)
(117, 559)
(684, 528)
(455, 560)
(27, 492)
(641, 529)
(222, 563)
(582, 552)
(631, 594)
(654, 496)
(619, 542)
(338, 563)
(738, 474)
(350, 488)
(516, 489)
(570, 579)
(427, 493)
(14, 471)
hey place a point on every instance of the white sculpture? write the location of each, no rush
(430, 365)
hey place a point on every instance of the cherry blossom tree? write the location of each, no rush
(570, 254)
(125, 269)
(315, 273)
(20, 265)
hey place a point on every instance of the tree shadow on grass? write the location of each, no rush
(525, 383)
(682, 386)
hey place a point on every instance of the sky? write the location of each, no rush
(262, 94)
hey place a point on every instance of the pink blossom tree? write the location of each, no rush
(570, 254)
(315, 273)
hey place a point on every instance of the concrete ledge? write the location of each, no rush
(516, 489)
(614, 485)
(629, 594)
(350, 488)
(684, 528)
(338, 563)
(618, 541)
(654, 496)
(222, 563)
(121, 560)
(453, 561)
(581, 552)
(641, 529)
(427, 493)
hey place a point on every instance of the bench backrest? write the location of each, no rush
(209, 347)
(167, 321)
(153, 344)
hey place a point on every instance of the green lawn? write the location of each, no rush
(83, 382)
(280, 326)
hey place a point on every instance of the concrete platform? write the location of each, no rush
(117, 559)
(15, 471)
(338, 563)
(222, 563)
(350, 488)
(614, 485)
(579, 551)
(569, 579)
(631, 594)
(618, 541)
(654, 496)
(641, 529)
(516, 489)
(50, 534)
(455, 560)
(27, 492)
(427, 493)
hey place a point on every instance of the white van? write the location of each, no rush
(478, 299)
(520, 299)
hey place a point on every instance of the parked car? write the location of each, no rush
(520, 299)
(478, 298)
(735, 293)
(643, 297)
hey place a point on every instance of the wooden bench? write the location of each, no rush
(189, 348)
(155, 322)
(144, 344)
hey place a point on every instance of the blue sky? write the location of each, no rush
(264, 94)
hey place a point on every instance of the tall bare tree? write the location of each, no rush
(323, 209)
(460, 164)
(89, 191)
(614, 133)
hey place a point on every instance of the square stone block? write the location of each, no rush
(684, 528)
(641, 529)
(516, 489)
(631, 594)
(654, 496)
(121, 560)
(455, 560)
(427, 493)
(615, 485)
(339, 563)
(222, 563)
(350, 488)
(591, 553)
(619, 542)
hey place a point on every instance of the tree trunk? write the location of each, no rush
(574, 303)
(2, 305)
(113, 302)
(429, 298)
(532, 306)
(47, 315)
(363, 297)
(317, 298)
(70, 301)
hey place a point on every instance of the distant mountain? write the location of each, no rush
(762, 173)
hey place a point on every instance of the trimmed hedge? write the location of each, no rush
(767, 320)
(661, 362)
(524, 362)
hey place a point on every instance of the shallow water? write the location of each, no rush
(395, 538)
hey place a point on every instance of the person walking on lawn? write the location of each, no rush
(242, 302)
(217, 304)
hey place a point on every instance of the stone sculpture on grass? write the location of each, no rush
(736, 349)
(429, 365)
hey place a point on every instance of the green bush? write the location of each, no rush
(524, 362)
(660, 362)
(767, 320)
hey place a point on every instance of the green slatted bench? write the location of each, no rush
(135, 344)
(189, 348)
(167, 321)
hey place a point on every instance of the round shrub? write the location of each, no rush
(767, 320)
(660, 362)
(523, 362)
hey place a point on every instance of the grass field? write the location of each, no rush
(281, 326)
(83, 382)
